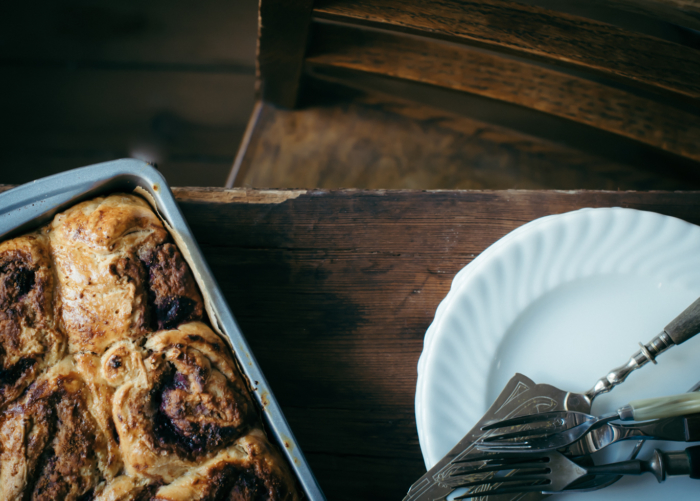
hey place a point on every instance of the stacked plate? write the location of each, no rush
(564, 299)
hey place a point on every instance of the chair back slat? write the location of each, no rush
(376, 93)
(281, 47)
(490, 75)
(534, 32)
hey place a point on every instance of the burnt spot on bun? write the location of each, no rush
(28, 341)
(14, 372)
(241, 485)
(193, 424)
(147, 492)
(174, 310)
(230, 482)
(88, 496)
(17, 279)
(173, 294)
(20, 278)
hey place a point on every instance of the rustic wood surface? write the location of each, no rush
(335, 289)
(496, 77)
(532, 31)
(373, 140)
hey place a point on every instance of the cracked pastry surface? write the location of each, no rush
(112, 385)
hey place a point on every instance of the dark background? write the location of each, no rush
(81, 82)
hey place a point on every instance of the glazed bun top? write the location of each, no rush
(112, 384)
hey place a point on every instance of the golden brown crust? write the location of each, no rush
(52, 445)
(126, 488)
(28, 340)
(111, 388)
(102, 294)
(250, 470)
(179, 400)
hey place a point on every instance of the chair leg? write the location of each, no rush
(243, 148)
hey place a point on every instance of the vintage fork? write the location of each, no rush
(563, 428)
(553, 472)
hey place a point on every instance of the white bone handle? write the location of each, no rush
(662, 407)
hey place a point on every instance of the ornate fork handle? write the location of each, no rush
(646, 354)
(681, 328)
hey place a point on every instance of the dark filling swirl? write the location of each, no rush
(236, 484)
(193, 423)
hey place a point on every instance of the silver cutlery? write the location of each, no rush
(675, 429)
(563, 428)
(522, 396)
(553, 472)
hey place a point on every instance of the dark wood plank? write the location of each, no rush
(532, 31)
(334, 291)
(373, 140)
(489, 75)
(283, 30)
(189, 123)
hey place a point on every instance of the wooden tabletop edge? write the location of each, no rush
(277, 196)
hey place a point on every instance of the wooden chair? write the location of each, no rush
(491, 94)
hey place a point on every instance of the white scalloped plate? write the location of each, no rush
(563, 300)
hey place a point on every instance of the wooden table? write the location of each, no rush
(335, 290)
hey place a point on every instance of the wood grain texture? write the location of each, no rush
(373, 140)
(495, 77)
(532, 31)
(283, 29)
(646, 16)
(335, 290)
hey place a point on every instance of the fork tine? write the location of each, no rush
(494, 447)
(515, 462)
(498, 467)
(535, 432)
(503, 490)
(530, 418)
(507, 480)
(499, 457)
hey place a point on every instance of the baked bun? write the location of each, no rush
(251, 469)
(112, 385)
(118, 275)
(55, 442)
(179, 400)
(29, 343)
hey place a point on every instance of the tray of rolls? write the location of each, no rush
(123, 374)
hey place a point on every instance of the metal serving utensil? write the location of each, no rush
(680, 329)
(553, 472)
(675, 429)
(597, 482)
(563, 428)
(523, 396)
